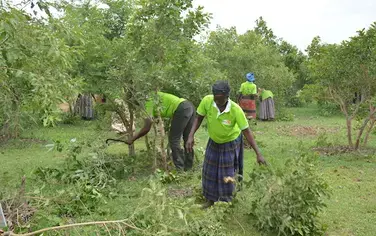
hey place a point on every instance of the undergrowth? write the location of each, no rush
(286, 199)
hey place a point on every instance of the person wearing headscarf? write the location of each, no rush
(267, 110)
(226, 123)
(248, 95)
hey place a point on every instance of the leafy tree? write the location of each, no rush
(237, 55)
(267, 34)
(155, 52)
(35, 65)
(293, 58)
(344, 70)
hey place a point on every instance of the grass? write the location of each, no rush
(351, 177)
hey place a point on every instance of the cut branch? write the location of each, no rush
(62, 227)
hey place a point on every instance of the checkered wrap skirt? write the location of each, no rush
(221, 160)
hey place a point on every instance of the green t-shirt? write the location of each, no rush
(226, 126)
(168, 104)
(248, 88)
(266, 94)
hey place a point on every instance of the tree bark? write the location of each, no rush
(370, 128)
(369, 131)
(154, 143)
(370, 117)
(373, 121)
(132, 151)
(360, 133)
(147, 144)
(162, 146)
(349, 131)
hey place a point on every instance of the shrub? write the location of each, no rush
(284, 115)
(85, 183)
(159, 215)
(327, 108)
(322, 140)
(287, 200)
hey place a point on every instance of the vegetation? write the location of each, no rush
(71, 182)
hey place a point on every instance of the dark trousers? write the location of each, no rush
(181, 125)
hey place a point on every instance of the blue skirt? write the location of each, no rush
(221, 160)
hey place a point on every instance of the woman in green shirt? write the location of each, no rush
(182, 113)
(224, 151)
(247, 96)
(267, 110)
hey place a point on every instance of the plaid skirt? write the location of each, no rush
(221, 160)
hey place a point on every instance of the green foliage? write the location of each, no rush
(237, 55)
(322, 140)
(328, 108)
(345, 72)
(158, 215)
(166, 177)
(87, 182)
(69, 119)
(293, 59)
(287, 200)
(285, 115)
(35, 64)
(295, 101)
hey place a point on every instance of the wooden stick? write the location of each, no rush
(74, 225)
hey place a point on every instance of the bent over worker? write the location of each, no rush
(182, 113)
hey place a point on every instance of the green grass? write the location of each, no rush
(352, 177)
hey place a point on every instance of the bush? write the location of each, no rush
(322, 140)
(286, 201)
(327, 108)
(157, 214)
(295, 101)
(85, 183)
(69, 118)
(284, 115)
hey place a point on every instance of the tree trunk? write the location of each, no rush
(162, 146)
(360, 133)
(167, 134)
(147, 144)
(154, 153)
(12, 125)
(369, 131)
(131, 148)
(5, 130)
(349, 131)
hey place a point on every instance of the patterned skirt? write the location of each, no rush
(85, 106)
(221, 160)
(248, 104)
(267, 111)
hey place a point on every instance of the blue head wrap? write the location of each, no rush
(250, 77)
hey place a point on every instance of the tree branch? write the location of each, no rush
(76, 225)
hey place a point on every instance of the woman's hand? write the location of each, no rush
(260, 159)
(190, 143)
(251, 140)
